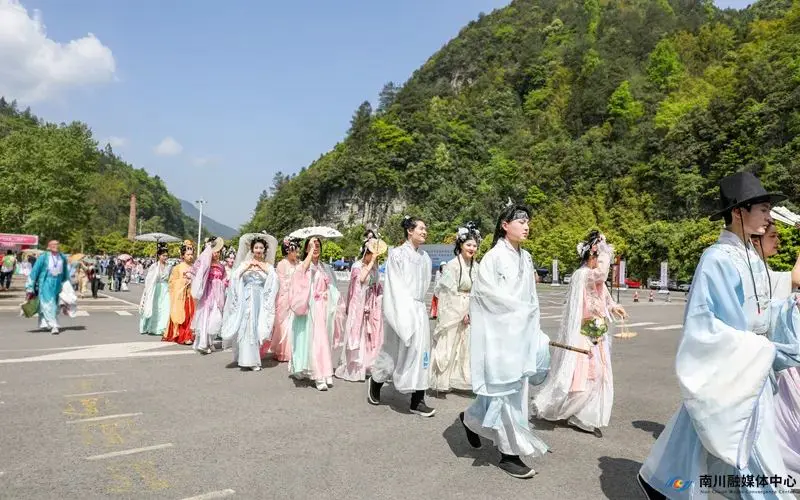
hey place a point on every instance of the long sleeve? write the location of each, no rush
(397, 297)
(33, 278)
(266, 317)
(722, 368)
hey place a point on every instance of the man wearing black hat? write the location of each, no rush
(725, 427)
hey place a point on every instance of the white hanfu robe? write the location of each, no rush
(508, 350)
(405, 356)
(249, 312)
(726, 424)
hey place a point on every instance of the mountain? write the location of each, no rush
(58, 183)
(621, 115)
(209, 224)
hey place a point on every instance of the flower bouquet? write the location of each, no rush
(594, 328)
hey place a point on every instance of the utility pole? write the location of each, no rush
(200, 202)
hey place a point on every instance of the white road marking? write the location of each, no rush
(105, 417)
(105, 351)
(43, 350)
(213, 494)
(551, 317)
(120, 300)
(646, 323)
(130, 452)
(79, 376)
(93, 393)
(81, 313)
(123, 313)
(668, 327)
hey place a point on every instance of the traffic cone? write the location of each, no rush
(636, 296)
(652, 297)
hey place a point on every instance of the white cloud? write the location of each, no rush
(203, 161)
(35, 68)
(117, 142)
(168, 147)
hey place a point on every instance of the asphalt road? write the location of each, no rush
(103, 412)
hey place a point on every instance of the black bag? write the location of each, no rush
(101, 285)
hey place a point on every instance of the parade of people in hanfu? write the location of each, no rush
(732, 345)
(450, 343)
(405, 356)
(318, 309)
(154, 308)
(250, 306)
(580, 388)
(182, 305)
(363, 333)
(208, 289)
(508, 349)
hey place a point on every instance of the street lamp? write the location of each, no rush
(200, 202)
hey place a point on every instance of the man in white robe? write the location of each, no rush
(722, 439)
(507, 347)
(406, 354)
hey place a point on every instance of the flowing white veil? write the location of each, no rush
(244, 253)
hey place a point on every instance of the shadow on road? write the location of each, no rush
(457, 441)
(77, 328)
(618, 478)
(646, 425)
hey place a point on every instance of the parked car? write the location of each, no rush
(567, 278)
(685, 287)
(654, 284)
(632, 283)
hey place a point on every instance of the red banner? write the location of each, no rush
(18, 239)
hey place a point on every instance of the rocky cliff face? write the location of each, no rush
(349, 210)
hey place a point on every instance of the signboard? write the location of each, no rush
(621, 273)
(12, 240)
(664, 278)
(555, 272)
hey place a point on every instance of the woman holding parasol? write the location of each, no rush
(363, 335)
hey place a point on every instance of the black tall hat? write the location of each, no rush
(742, 188)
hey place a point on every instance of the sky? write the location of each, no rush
(216, 97)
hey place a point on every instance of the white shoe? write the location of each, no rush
(321, 386)
(54, 331)
(329, 381)
(256, 368)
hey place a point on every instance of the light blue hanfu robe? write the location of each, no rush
(508, 350)
(249, 313)
(154, 306)
(47, 279)
(725, 363)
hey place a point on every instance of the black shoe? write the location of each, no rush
(373, 392)
(515, 467)
(648, 490)
(598, 433)
(422, 410)
(474, 439)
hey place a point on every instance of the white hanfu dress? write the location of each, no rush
(509, 351)
(405, 356)
(249, 313)
(726, 423)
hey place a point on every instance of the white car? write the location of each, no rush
(567, 279)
